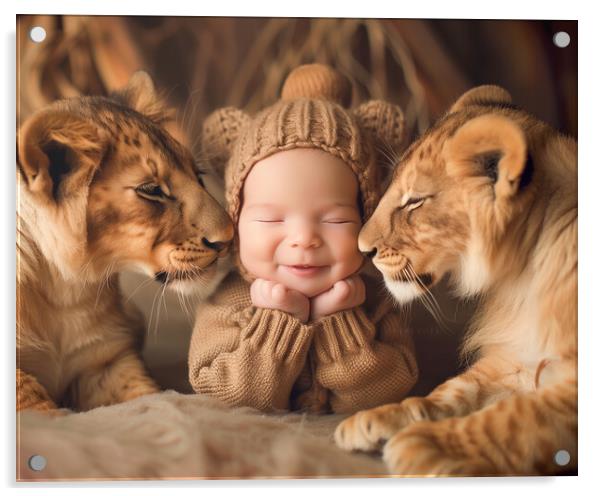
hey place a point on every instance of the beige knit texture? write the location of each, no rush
(310, 114)
(302, 123)
(267, 359)
(386, 124)
(220, 130)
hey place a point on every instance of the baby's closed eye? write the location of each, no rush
(339, 221)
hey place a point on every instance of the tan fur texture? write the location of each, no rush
(102, 188)
(175, 436)
(489, 196)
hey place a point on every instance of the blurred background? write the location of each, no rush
(201, 64)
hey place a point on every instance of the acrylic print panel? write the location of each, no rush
(149, 348)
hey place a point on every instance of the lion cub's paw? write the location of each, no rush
(368, 429)
(413, 452)
(431, 449)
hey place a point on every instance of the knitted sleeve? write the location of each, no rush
(243, 355)
(364, 357)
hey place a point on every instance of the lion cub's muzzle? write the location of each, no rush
(194, 260)
(391, 270)
(424, 280)
(220, 247)
(370, 254)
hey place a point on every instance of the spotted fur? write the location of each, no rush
(89, 208)
(488, 196)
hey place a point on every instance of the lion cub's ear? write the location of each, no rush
(485, 94)
(58, 153)
(220, 130)
(385, 123)
(493, 146)
(140, 95)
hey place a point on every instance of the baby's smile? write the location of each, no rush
(305, 270)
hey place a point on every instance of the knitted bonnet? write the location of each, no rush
(311, 113)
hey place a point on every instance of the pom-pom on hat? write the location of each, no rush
(317, 81)
(311, 113)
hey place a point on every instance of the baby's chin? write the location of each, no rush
(308, 289)
(313, 286)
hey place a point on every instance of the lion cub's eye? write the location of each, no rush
(199, 176)
(151, 191)
(413, 203)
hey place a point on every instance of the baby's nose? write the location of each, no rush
(305, 237)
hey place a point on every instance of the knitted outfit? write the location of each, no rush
(268, 359)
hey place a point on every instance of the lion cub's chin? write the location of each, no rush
(205, 284)
(404, 292)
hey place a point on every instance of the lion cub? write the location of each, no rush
(102, 187)
(488, 196)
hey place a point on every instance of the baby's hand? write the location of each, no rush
(345, 294)
(270, 294)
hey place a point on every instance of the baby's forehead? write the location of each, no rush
(307, 164)
(290, 204)
(306, 178)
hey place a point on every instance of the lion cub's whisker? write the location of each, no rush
(436, 312)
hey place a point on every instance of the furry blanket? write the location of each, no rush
(173, 435)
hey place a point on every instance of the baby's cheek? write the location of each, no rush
(353, 262)
(256, 256)
(349, 259)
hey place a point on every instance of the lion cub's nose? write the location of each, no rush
(220, 247)
(370, 254)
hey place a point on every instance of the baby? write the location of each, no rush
(297, 326)
(298, 232)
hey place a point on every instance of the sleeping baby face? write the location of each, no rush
(300, 221)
